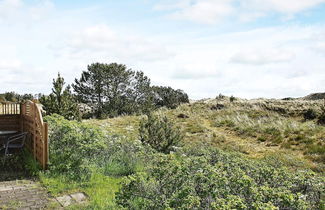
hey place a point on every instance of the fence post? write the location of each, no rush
(34, 130)
(45, 146)
(21, 118)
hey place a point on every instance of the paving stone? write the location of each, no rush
(65, 200)
(79, 197)
(26, 193)
(4, 188)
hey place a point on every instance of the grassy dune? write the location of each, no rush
(258, 128)
(269, 134)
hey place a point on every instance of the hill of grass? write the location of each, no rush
(315, 96)
(257, 128)
(236, 154)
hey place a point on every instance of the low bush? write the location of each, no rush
(124, 157)
(77, 150)
(321, 117)
(73, 147)
(212, 179)
(160, 133)
(310, 114)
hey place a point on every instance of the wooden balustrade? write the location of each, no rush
(27, 117)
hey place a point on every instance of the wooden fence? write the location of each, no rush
(27, 117)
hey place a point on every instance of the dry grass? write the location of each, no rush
(260, 128)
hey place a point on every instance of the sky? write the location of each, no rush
(245, 48)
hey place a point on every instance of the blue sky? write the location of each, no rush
(246, 48)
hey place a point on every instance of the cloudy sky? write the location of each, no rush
(246, 48)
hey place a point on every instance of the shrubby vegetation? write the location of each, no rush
(310, 114)
(160, 133)
(321, 117)
(157, 167)
(195, 176)
(74, 147)
(205, 178)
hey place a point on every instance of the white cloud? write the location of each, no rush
(205, 11)
(319, 47)
(8, 7)
(41, 9)
(262, 56)
(101, 40)
(10, 64)
(282, 6)
(14, 12)
(212, 11)
(280, 60)
(318, 42)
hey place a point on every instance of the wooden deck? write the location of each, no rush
(27, 117)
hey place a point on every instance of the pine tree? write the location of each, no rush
(61, 101)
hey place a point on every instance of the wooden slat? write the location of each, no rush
(27, 117)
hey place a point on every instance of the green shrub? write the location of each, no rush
(321, 118)
(160, 133)
(212, 179)
(232, 98)
(124, 157)
(310, 114)
(77, 150)
(73, 147)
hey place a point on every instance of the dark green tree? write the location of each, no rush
(61, 101)
(142, 95)
(27, 96)
(11, 96)
(90, 88)
(168, 97)
(118, 88)
(114, 90)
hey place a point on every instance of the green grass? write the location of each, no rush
(101, 189)
(58, 185)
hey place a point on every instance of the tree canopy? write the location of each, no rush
(113, 89)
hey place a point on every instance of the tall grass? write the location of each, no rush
(276, 130)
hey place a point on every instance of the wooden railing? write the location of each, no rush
(9, 108)
(10, 116)
(27, 117)
(32, 122)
